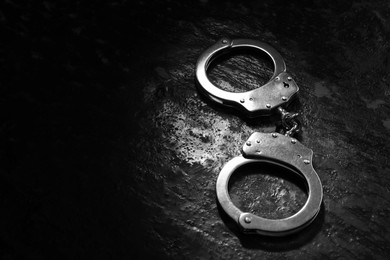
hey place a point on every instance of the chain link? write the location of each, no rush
(289, 122)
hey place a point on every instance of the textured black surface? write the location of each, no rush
(108, 150)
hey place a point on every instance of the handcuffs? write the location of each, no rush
(271, 148)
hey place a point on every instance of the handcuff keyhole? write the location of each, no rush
(286, 85)
(267, 190)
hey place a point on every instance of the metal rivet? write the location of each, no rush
(274, 135)
(306, 161)
(242, 100)
(224, 41)
(268, 106)
(251, 99)
(248, 220)
(277, 78)
(289, 78)
(284, 98)
(248, 143)
(258, 151)
(258, 141)
(293, 141)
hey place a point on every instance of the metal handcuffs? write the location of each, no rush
(272, 148)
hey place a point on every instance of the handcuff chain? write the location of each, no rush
(289, 122)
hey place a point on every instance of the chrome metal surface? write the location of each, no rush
(281, 151)
(260, 101)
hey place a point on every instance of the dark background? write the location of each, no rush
(109, 152)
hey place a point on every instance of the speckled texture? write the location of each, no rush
(109, 151)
